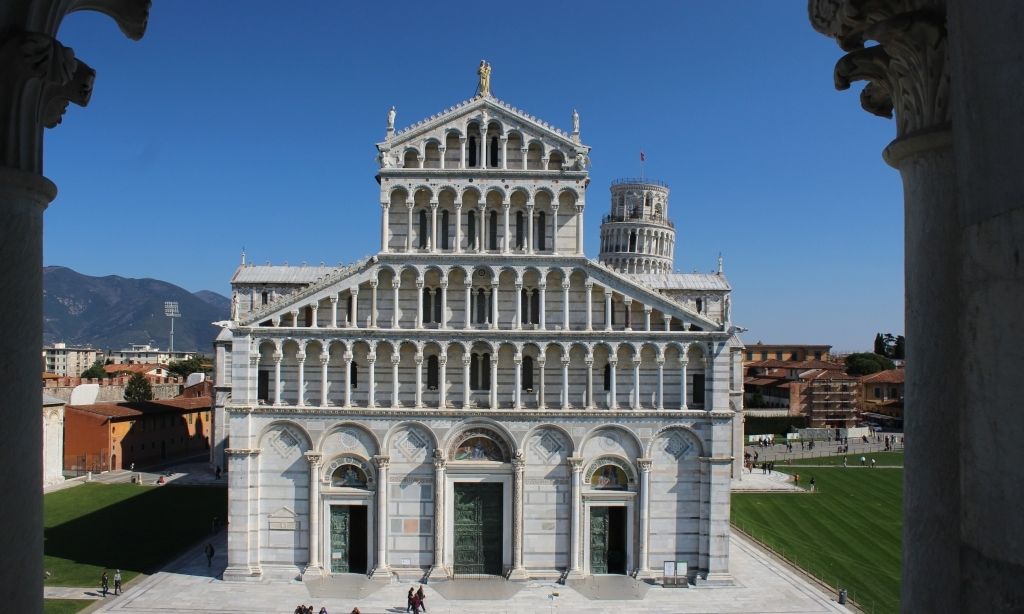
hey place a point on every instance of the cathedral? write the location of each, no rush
(479, 397)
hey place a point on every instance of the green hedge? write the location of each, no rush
(777, 426)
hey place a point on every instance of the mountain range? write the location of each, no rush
(114, 312)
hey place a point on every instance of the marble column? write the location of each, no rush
(565, 383)
(408, 226)
(682, 383)
(647, 318)
(644, 568)
(334, 310)
(277, 377)
(444, 303)
(579, 230)
(505, 243)
(589, 292)
(373, 304)
(314, 316)
(541, 362)
(565, 305)
(481, 228)
(395, 359)
(590, 383)
(575, 526)
(433, 226)
(469, 304)
(419, 380)
(466, 391)
(661, 383)
(494, 304)
(607, 309)
(462, 152)
(384, 209)
(324, 359)
(458, 227)
(504, 151)
(439, 466)
(313, 458)
(628, 312)
(370, 377)
(442, 380)
(517, 389)
(518, 469)
(636, 382)
(382, 569)
(554, 228)
(519, 305)
(348, 379)
(355, 308)
(524, 150)
(529, 227)
(494, 381)
(614, 404)
(668, 322)
(542, 318)
(396, 284)
(419, 303)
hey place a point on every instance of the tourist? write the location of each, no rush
(844, 462)
(209, 554)
(862, 461)
(104, 583)
(872, 463)
(416, 603)
(409, 598)
(812, 483)
(117, 582)
(796, 479)
(323, 610)
(422, 598)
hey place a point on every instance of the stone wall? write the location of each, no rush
(112, 389)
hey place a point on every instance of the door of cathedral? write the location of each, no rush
(348, 539)
(608, 540)
(478, 530)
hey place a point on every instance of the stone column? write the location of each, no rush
(370, 383)
(348, 379)
(334, 310)
(644, 569)
(462, 152)
(682, 383)
(433, 226)
(442, 149)
(458, 227)
(579, 230)
(250, 389)
(589, 292)
(628, 304)
(466, 358)
(542, 318)
(614, 404)
(524, 150)
(494, 304)
(444, 303)
(325, 357)
(565, 305)
(575, 528)
(529, 227)
(355, 307)
(661, 382)
(565, 383)
(439, 465)
(442, 380)
(395, 359)
(518, 468)
(668, 322)
(373, 303)
(385, 207)
(590, 383)
(636, 382)
(504, 151)
(277, 377)
(419, 303)
(541, 361)
(647, 318)
(313, 458)
(481, 229)
(395, 286)
(408, 225)
(419, 380)
(382, 569)
(494, 381)
(505, 243)
(295, 318)
(519, 305)
(554, 227)
(516, 392)
(314, 315)
(469, 304)
(607, 309)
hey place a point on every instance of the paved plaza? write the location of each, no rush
(762, 584)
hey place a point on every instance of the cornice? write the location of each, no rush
(517, 414)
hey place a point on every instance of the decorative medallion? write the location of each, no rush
(286, 442)
(676, 445)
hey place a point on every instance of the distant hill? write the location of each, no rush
(113, 312)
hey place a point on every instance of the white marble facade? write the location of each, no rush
(479, 346)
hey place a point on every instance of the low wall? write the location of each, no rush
(112, 389)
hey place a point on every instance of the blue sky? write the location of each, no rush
(236, 125)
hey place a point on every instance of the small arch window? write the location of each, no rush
(348, 476)
(527, 376)
(471, 151)
(432, 372)
(353, 375)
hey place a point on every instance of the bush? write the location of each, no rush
(95, 371)
(866, 363)
(138, 389)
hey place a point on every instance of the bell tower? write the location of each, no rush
(637, 236)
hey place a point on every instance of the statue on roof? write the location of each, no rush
(575, 122)
(391, 119)
(483, 88)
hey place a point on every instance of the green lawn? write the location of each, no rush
(97, 527)
(882, 458)
(848, 533)
(65, 606)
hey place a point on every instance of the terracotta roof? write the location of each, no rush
(816, 374)
(134, 367)
(132, 410)
(761, 381)
(891, 376)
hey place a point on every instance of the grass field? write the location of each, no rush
(884, 459)
(65, 606)
(848, 533)
(97, 527)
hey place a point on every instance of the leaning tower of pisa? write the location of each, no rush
(636, 235)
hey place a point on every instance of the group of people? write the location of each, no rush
(415, 601)
(105, 582)
(308, 609)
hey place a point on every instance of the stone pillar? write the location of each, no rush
(382, 569)
(314, 315)
(469, 304)
(444, 303)
(348, 379)
(543, 306)
(541, 361)
(579, 230)
(439, 465)
(481, 229)
(518, 468)
(324, 359)
(524, 150)
(647, 318)
(644, 568)
(529, 227)
(370, 383)
(462, 152)
(504, 151)
(661, 383)
(628, 320)
(636, 382)
(295, 318)
(373, 303)
(334, 310)
(575, 526)
(419, 380)
(277, 377)
(458, 227)
(565, 383)
(395, 359)
(408, 225)
(668, 322)
(243, 528)
(554, 227)
(433, 226)
(385, 207)
(607, 309)
(519, 305)
(494, 304)
(516, 392)
(682, 383)
(590, 383)
(466, 358)
(588, 290)
(442, 380)
(419, 303)
(313, 458)
(565, 304)
(614, 404)
(494, 381)
(395, 286)
(506, 245)
(355, 307)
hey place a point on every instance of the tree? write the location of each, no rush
(138, 389)
(879, 344)
(899, 351)
(184, 368)
(866, 363)
(96, 371)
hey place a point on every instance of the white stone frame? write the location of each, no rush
(353, 497)
(613, 498)
(478, 472)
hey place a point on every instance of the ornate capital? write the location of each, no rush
(644, 464)
(381, 462)
(907, 71)
(439, 460)
(576, 463)
(313, 458)
(300, 356)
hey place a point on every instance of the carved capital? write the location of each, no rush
(644, 464)
(382, 462)
(313, 458)
(907, 70)
(576, 463)
(439, 460)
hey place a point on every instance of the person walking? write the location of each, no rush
(812, 483)
(416, 603)
(862, 461)
(844, 462)
(409, 598)
(872, 463)
(422, 598)
(796, 479)
(117, 582)
(104, 583)
(209, 554)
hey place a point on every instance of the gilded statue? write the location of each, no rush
(484, 87)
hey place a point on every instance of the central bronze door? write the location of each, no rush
(478, 528)
(608, 540)
(348, 539)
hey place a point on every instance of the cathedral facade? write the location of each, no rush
(479, 397)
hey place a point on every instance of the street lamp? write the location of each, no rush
(171, 311)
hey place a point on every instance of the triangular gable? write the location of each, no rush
(285, 304)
